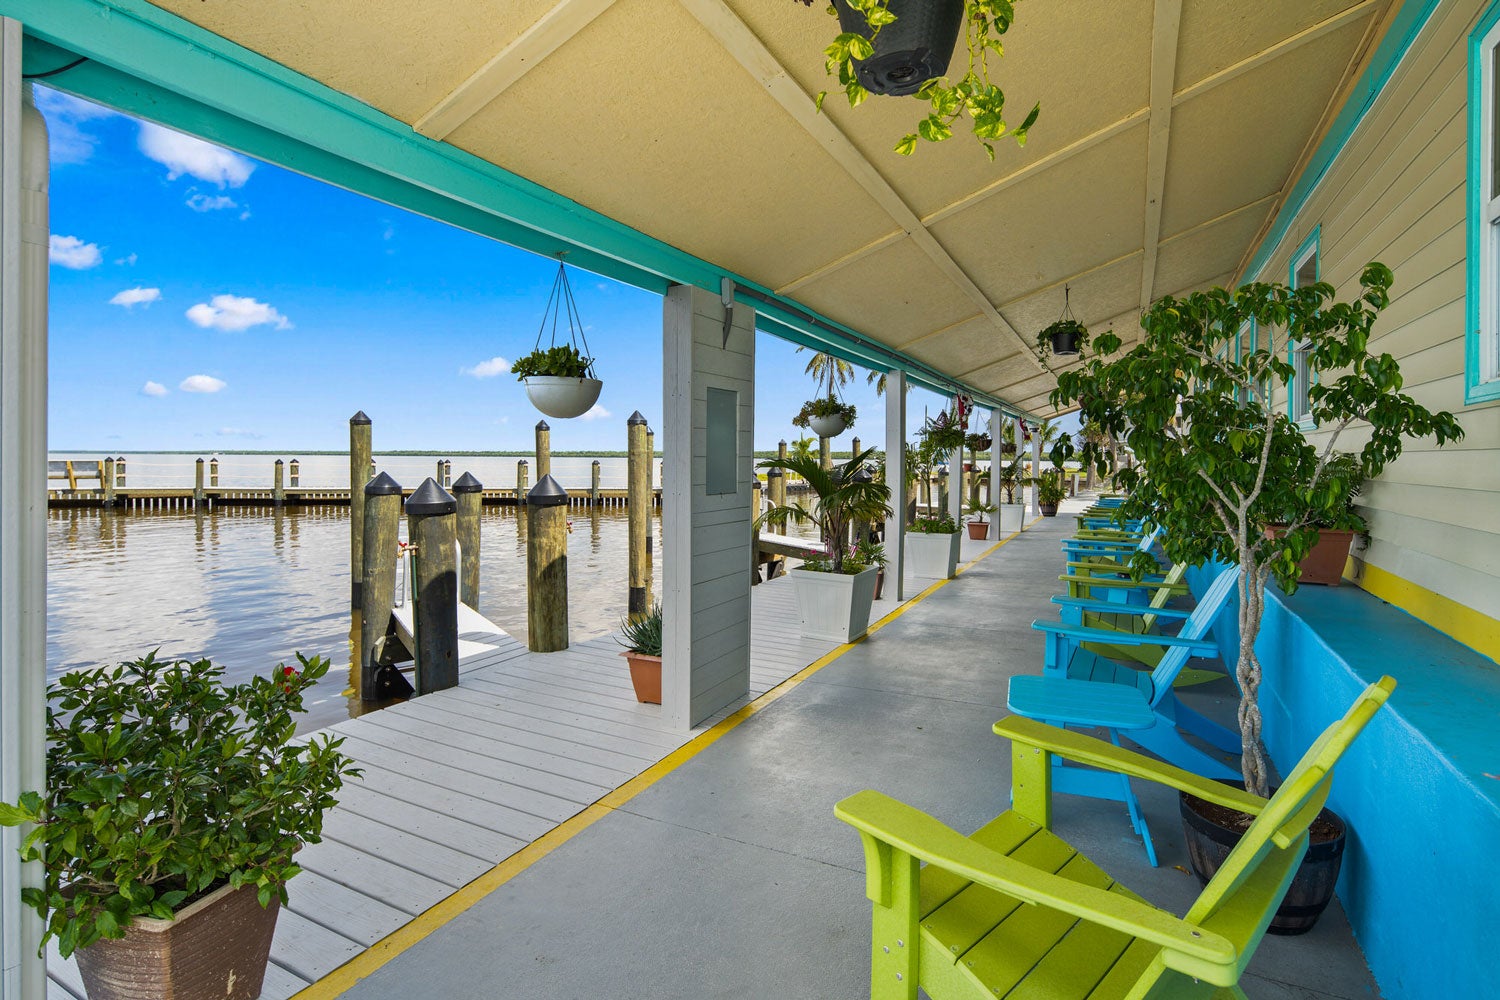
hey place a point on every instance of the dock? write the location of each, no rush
(177, 498)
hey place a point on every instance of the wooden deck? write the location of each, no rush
(455, 782)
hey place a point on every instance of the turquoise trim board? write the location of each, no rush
(1418, 791)
(1397, 41)
(1477, 389)
(152, 64)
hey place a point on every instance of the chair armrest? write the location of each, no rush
(1083, 749)
(1107, 607)
(910, 831)
(1113, 566)
(1126, 584)
(1195, 647)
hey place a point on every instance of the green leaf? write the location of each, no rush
(934, 129)
(907, 145)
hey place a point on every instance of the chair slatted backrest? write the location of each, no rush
(1196, 626)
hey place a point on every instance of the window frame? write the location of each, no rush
(1304, 377)
(1482, 333)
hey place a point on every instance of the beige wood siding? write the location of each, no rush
(1396, 194)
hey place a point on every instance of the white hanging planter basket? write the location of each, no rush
(830, 426)
(562, 397)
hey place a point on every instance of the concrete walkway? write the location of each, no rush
(730, 877)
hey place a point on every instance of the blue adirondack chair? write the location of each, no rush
(1082, 689)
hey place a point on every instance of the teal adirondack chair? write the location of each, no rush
(961, 928)
(1080, 688)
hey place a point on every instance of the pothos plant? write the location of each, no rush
(1211, 435)
(974, 93)
(563, 361)
(163, 784)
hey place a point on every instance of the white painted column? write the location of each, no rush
(23, 500)
(1020, 443)
(708, 411)
(1036, 471)
(996, 495)
(956, 486)
(895, 478)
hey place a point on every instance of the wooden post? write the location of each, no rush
(855, 453)
(109, 483)
(437, 474)
(543, 450)
(361, 471)
(547, 567)
(120, 472)
(278, 488)
(521, 481)
(296, 471)
(781, 451)
(470, 495)
(213, 472)
(825, 452)
(594, 483)
(378, 587)
(198, 485)
(639, 503)
(447, 472)
(431, 514)
(776, 487)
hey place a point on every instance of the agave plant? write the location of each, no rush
(844, 496)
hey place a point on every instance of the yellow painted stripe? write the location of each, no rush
(342, 979)
(1472, 628)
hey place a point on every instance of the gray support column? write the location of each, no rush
(1036, 471)
(895, 478)
(994, 494)
(956, 485)
(23, 500)
(1020, 443)
(708, 409)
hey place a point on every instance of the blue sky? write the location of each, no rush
(204, 300)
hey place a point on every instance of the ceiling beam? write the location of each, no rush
(1164, 33)
(751, 53)
(511, 63)
(840, 262)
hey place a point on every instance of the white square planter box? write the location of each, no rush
(833, 605)
(1010, 518)
(930, 555)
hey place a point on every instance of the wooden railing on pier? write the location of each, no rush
(144, 499)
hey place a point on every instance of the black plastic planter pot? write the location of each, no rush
(912, 49)
(1209, 843)
(1065, 342)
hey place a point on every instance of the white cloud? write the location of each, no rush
(182, 154)
(70, 251)
(153, 389)
(67, 142)
(128, 260)
(233, 312)
(596, 412)
(199, 202)
(201, 383)
(136, 296)
(488, 369)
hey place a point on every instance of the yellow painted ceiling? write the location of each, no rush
(690, 121)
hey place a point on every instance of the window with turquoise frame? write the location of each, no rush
(1482, 337)
(1244, 346)
(1303, 272)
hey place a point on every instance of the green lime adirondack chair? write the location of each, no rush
(1016, 912)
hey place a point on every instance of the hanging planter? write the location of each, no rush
(560, 377)
(1065, 338)
(914, 48)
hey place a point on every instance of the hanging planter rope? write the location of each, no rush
(1067, 337)
(560, 378)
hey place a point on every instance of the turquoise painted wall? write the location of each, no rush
(1421, 875)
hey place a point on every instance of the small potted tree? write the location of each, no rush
(834, 592)
(1218, 461)
(1050, 490)
(1009, 478)
(175, 806)
(979, 524)
(641, 637)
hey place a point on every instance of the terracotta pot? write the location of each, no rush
(1330, 553)
(645, 675)
(979, 530)
(879, 582)
(217, 947)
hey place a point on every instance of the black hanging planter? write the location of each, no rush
(1210, 841)
(912, 49)
(1065, 336)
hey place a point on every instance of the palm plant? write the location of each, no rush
(843, 498)
(827, 368)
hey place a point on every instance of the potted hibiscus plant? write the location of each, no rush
(174, 809)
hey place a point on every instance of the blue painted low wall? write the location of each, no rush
(1421, 874)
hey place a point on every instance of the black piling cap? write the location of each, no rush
(635, 419)
(429, 499)
(547, 492)
(382, 486)
(468, 484)
(280, 462)
(359, 418)
(864, 475)
(774, 473)
(541, 425)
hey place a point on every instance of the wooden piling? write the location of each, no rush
(278, 488)
(296, 473)
(521, 467)
(213, 472)
(447, 472)
(547, 567)
(378, 580)
(198, 495)
(594, 484)
(855, 453)
(361, 471)
(825, 452)
(776, 487)
(431, 516)
(639, 506)
(120, 471)
(781, 451)
(109, 483)
(468, 491)
(543, 450)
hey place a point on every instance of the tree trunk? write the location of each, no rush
(1247, 672)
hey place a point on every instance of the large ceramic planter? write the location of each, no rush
(217, 947)
(1209, 842)
(830, 426)
(911, 50)
(1325, 562)
(834, 605)
(1011, 517)
(645, 676)
(561, 397)
(931, 554)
